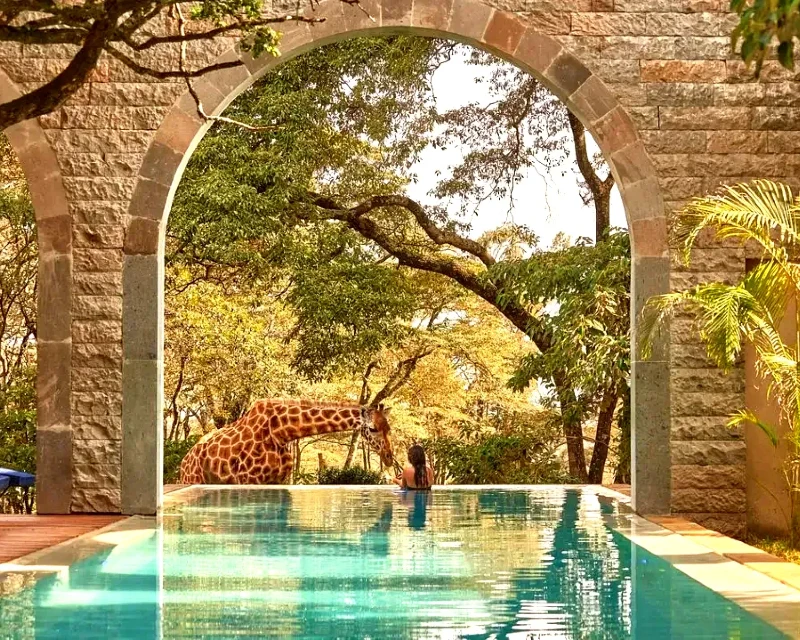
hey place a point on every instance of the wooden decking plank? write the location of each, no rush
(24, 534)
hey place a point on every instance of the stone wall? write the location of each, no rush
(673, 110)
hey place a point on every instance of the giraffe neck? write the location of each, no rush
(292, 422)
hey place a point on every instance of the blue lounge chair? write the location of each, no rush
(4, 482)
(18, 478)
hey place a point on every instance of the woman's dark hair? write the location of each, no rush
(416, 456)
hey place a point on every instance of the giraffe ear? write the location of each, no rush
(386, 411)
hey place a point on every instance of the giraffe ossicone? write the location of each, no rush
(255, 448)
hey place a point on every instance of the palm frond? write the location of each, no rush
(762, 211)
(743, 416)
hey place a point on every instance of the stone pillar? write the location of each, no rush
(650, 393)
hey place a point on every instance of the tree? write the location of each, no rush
(347, 123)
(137, 34)
(18, 280)
(760, 25)
(767, 215)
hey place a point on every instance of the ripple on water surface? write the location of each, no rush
(350, 563)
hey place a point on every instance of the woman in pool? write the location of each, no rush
(417, 474)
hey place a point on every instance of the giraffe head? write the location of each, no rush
(375, 431)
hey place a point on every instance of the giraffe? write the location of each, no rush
(255, 448)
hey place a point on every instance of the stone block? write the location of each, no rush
(714, 259)
(55, 298)
(96, 499)
(704, 428)
(709, 477)
(108, 381)
(95, 164)
(149, 200)
(650, 440)
(54, 474)
(783, 141)
(608, 24)
(142, 237)
(397, 13)
(680, 94)
(142, 425)
(728, 500)
(681, 188)
(705, 118)
(504, 32)
(737, 142)
(631, 164)
(161, 163)
(740, 95)
(136, 94)
(549, 22)
(99, 141)
(776, 118)
(682, 280)
(97, 307)
(123, 118)
(707, 381)
(674, 142)
(592, 100)
(691, 71)
(738, 165)
(431, 14)
(96, 476)
(690, 353)
(54, 235)
(649, 237)
(614, 71)
(99, 213)
(97, 356)
(644, 117)
(95, 427)
(143, 307)
(97, 452)
(99, 188)
(468, 19)
(97, 259)
(707, 403)
(94, 331)
(566, 74)
(53, 383)
(96, 403)
(685, 24)
(97, 236)
(708, 452)
(537, 51)
(98, 284)
(642, 201)
(614, 132)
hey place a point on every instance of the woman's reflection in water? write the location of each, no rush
(417, 503)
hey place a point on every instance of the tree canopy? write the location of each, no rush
(314, 195)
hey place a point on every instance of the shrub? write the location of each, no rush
(353, 475)
(174, 452)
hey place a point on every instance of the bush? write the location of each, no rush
(353, 475)
(174, 452)
(18, 436)
(495, 458)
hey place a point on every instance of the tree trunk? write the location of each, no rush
(573, 432)
(605, 418)
(622, 474)
(351, 451)
(602, 209)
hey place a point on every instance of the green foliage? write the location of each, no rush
(763, 23)
(174, 452)
(584, 292)
(352, 475)
(728, 316)
(506, 447)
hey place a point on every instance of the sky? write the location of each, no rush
(548, 202)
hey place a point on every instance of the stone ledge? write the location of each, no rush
(786, 572)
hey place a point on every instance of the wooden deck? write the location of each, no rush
(21, 534)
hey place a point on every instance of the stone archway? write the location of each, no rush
(500, 32)
(54, 476)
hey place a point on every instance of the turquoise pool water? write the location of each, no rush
(377, 563)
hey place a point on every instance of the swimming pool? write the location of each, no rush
(339, 562)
